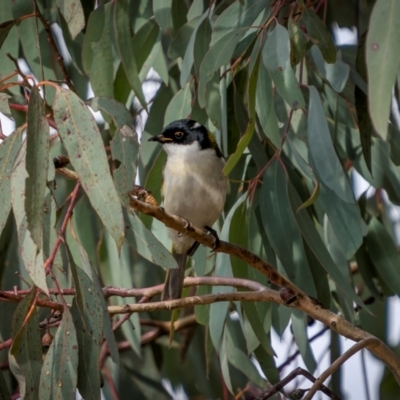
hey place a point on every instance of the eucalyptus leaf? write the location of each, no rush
(81, 138)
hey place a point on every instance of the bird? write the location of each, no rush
(194, 188)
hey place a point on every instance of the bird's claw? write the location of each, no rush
(213, 233)
(188, 226)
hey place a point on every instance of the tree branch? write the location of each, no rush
(367, 342)
(299, 299)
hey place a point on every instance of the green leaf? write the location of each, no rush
(281, 227)
(97, 56)
(123, 43)
(178, 46)
(72, 12)
(361, 103)
(37, 150)
(317, 246)
(299, 327)
(31, 256)
(26, 350)
(83, 142)
(9, 149)
(58, 378)
(146, 244)
(384, 254)
(323, 156)
(5, 28)
(238, 358)
(162, 13)
(180, 105)
(319, 34)
(4, 107)
(298, 42)
(383, 61)
(124, 145)
(87, 315)
(345, 219)
(144, 41)
(276, 57)
(265, 106)
(336, 73)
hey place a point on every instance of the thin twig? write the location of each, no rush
(295, 373)
(53, 46)
(367, 342)
(49, 262)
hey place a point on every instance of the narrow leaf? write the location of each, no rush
(5, 28)
(180, 105)
(282, 229)
(26, 350)
(33, 259)
(384, 254)
(121, 28)
(146, 244)
(72, 12)
(58, 377)
(322, 153)
(37, 150)
(9, 149)
(319, 34)
(383, 60)
(276, 57)
(83, 142)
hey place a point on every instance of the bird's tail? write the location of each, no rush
(174, 280)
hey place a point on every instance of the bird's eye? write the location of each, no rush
(178, 135)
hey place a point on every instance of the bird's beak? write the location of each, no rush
(160, 138)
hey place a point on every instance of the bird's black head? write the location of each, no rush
(185, 132)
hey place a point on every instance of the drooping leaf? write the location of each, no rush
(276, 57)
(180, 105)
(361, 103)
(25, 355)
(58, 378)
(124, 145)
(36, 163)
(336, 73)
(97, 57)
(31, 256)
(87, 315)
(319, 34)
(384, 254)
(4, 107)
(298, 42)
(9, 149)
(322, 152)
(121, 29)
(5, 28)
(299, 327)
(72, 12)
(383, 61)
(282, 229)
(318, 247)
(82, 140)
(145, 243)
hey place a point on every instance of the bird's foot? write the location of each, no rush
(188, 226)
(214, 234)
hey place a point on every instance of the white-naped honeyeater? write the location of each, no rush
(194, 188)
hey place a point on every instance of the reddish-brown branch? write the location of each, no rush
(49, 262)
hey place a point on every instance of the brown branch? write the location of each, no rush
(369, 342)
(49, 262)
(53, 45)
(299, 299)
(295, 373)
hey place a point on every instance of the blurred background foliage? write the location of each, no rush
(310, 130)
